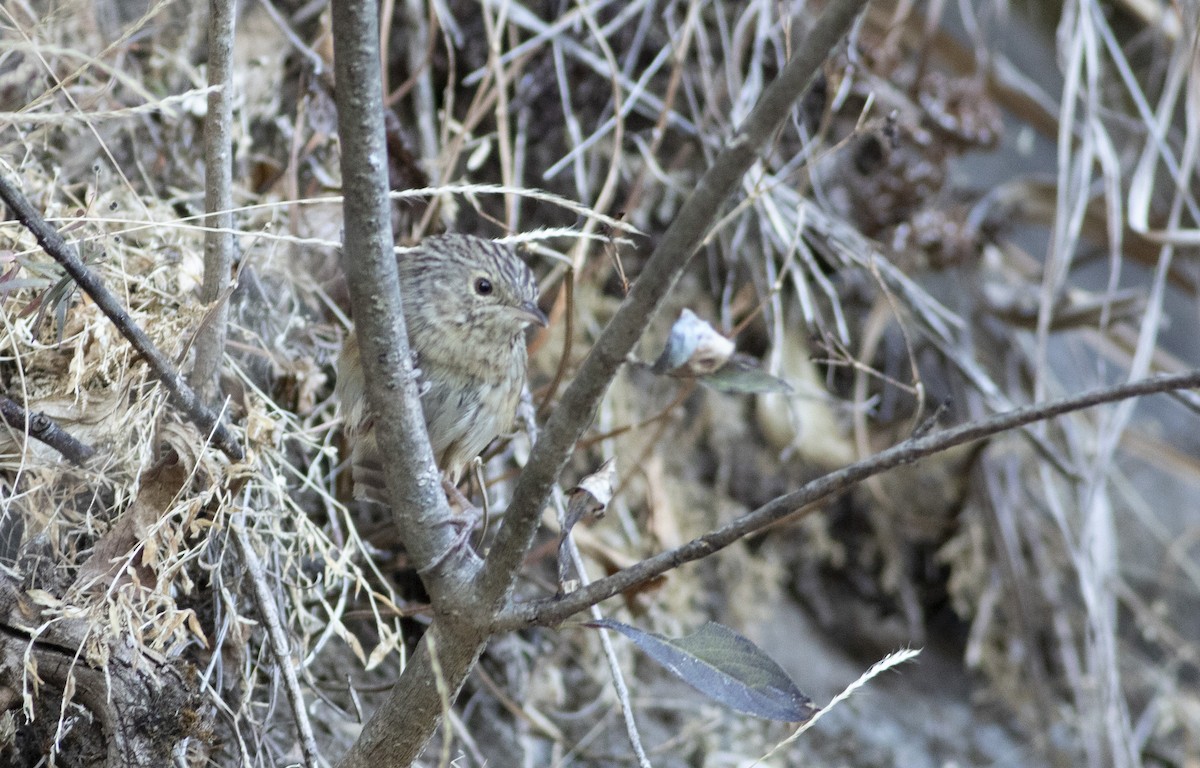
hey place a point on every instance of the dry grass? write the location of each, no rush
(874, 258)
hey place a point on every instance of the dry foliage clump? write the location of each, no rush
(954, 222)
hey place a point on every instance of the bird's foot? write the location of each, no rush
(466, 516)
(459, 503)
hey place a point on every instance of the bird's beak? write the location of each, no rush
(530, 313)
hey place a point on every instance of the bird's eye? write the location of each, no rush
(483, 286)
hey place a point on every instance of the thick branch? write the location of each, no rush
(181, 395)
(418, 502)
(578, 405)
(397, 732)
(555, 610)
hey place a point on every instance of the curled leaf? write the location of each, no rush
(588, 499)
(591, 497)
(694, 348)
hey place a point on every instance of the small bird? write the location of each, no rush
(467, 302)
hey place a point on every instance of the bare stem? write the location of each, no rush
(218, 196)
(41, 427)
(555, 610)
(400, 728)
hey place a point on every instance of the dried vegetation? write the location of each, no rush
(967, 213)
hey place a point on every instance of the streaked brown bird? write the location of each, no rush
(467, 302)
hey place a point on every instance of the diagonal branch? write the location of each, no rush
(578, 405)
(41, 427)
(554, 610)
(180, 394)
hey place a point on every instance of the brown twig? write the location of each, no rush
(554, 610)
(684, 392)
(42, 428)
(181, 395)
(564, 358)
(218, 198)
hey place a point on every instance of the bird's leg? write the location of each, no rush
(477, 470)
(468, 516)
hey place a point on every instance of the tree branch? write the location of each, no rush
(218, 196)
(180, 394)
(578, 405)
(41, 427)
(399, 730)
(464, 609)
(554, 610)
(419, 505)
(141, 703)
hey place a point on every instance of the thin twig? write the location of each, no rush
(181, 395)
(42, 428)
(610, 653)
(218, 197)
(564, 358)
(278, 641)
(553, 611)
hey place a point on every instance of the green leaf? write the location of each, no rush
(741, 375)
(726, 667)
